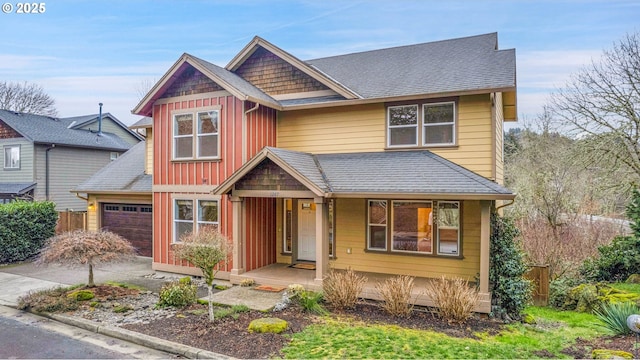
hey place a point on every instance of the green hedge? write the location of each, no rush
(24, 227)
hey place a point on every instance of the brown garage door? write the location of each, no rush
(131, 221)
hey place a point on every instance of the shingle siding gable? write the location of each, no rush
(275, 76)
(189, 82)
(6, 132)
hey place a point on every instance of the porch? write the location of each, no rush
(285, 275)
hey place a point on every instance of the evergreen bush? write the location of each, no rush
(620, 259)
(510, 290)
(24, 227)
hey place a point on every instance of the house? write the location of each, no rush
(386, 161)
(44, 157)
(119, 196)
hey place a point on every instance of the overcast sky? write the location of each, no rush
(86, 52)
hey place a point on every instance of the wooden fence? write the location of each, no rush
(71, 220)
(539, 275)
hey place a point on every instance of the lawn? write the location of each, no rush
(553, 332)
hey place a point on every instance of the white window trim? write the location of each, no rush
(194, 198)
(438, 228)
(393, 215)
(389, 126)
(452, 124)
(369, 224)
(176, 136)
(195, 136)
(5, 148)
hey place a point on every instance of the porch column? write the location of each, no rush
(485, 235)
(322, 240)
(238, 239)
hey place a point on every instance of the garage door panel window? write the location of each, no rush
(186, 221)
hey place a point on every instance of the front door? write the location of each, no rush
(306, 230)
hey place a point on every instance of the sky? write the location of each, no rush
(87, 52)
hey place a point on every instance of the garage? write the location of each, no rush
(134, 222)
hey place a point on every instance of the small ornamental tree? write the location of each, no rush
(79, 248)
(205, 250)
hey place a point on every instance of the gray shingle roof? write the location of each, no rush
(125, 174)
(456, 65)
(142, 123)
(16, 188)
(396, 172)
(236, 81)
(48, 130)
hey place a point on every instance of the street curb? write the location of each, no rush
(136, 337)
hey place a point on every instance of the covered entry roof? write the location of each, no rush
(16, 188)
(374, 174)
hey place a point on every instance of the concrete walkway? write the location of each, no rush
(20, 279)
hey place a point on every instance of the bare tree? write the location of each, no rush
(601, 106)
(205, 250)
(80, 247)
(26, 98)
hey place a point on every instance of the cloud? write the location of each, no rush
(550, 69)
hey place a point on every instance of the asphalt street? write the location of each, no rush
(28, 336)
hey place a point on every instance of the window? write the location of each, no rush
(199, 140)
(403, 125)
(184, 220)
(12, 157)
(113, 155)
(208, 214)
(377, 227)
(437, 121)
(448, 227)
(415, 224)
(439, 124)
(412, 224)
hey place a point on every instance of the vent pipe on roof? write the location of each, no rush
(100, 121)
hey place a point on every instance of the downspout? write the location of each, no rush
(505, 205)
(81, 197)
(244, 131)
(46, 170)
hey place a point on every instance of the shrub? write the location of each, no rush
(177, 294)
(24, 227)
(559, 290)
(615, 262)
(614, 316)
(341, 288)
(310, 301)
(454, 299)
(247, 282)
(510, 290)
(396, 295)
(50, 300)
(81, 295)
(592, 297)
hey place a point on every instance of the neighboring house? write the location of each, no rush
(119, 196)
(44, 157)
(387, 161)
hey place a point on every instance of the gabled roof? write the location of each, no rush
(78, 122)
(371, 174)
(229, 81)
(145, 122)
(47, 130)
(324, 78)
(123, 175)
(463, 66)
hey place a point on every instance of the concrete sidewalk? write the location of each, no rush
(19, 279)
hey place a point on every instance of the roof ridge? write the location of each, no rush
(322, 173)
(406, 46)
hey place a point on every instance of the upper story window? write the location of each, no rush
(196, 135)
(437, 120)
(12, 157)
(113, 155)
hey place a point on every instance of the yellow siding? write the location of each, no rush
(362, 128)
(499, 140)
(351, 234)
(148, 161)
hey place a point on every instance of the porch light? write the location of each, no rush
(91, 206)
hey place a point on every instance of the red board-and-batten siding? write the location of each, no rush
(259, 131)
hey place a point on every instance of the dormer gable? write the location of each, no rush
(273, 75)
